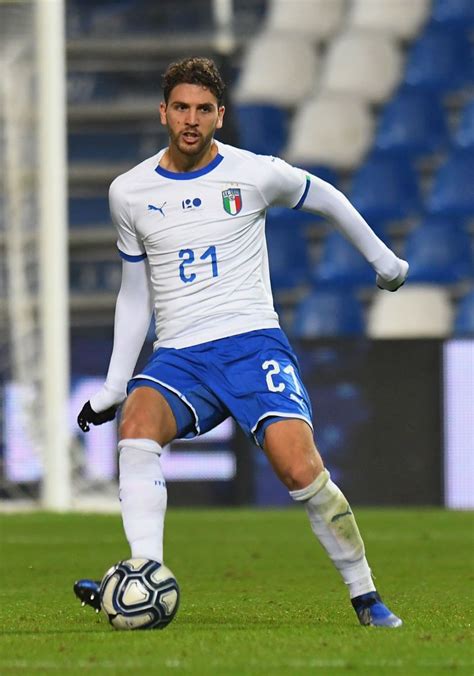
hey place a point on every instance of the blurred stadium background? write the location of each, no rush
(375, 97)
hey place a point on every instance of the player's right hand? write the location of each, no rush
(88, 416)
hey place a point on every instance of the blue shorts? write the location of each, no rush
(253, 377)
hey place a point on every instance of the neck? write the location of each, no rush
(174, 160)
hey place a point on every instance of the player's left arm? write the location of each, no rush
(281, 184)
(323, 198)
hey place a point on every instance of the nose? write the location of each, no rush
(191, 117)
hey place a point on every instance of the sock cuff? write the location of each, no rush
(314, 487)
(147, 445)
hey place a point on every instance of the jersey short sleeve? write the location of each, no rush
(129, 245)
(281, 184)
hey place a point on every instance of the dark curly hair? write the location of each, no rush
(194, 70)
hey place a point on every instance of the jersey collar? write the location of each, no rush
(188, 175)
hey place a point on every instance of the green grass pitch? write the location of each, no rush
(258, 596)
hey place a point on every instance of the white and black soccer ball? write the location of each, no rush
(139, 594)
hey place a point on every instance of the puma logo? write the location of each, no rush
(336, 517)
(152, 207)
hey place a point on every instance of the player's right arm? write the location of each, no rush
(133, 312)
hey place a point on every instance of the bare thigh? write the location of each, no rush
(290, 448)
(147, 415)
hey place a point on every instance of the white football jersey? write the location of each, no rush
(203, 233)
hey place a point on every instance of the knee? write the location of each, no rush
(131, 428)
(300, 475)
(133, 423)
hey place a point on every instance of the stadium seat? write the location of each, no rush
(317, 20)
(86, 211)
(464, 137)
(85, 17)
(95, 276)
(403, 20)
(340, 264)
(261, 128)
(385, 189)
(287, 249)
(123, 17)
(85, 86)
(415, 311)
(464, 317)
(103, 147)
(364, 64)
(248, 16)
(452, 192)
(438, 253)
(328, 313)
(271, 70)
(454, 13)
(414, 124)
(439, 60)
(333, 129)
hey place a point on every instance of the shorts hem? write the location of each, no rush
(278, 414)
(142, 376)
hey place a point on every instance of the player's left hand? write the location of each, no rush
(88, 416)
(396, 283)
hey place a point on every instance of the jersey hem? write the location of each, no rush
(207, 336)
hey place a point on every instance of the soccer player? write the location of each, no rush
(190, 223)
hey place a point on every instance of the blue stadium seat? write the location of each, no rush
(328, 313)
(88, 211)
(341, 264)
(464, 317)
(439, 60)
(262, 128)
(122, 17)
(453, 13)
(87, 276)
(464, 137)
(413, 123)
(85, 87)
(248, 16)
(452, 192)
(104, 147)
(385, 189)
(287, 249)
(438, 253)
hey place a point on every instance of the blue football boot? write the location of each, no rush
(372, 612)
(88, 593)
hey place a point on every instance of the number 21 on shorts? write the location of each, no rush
(273, 368)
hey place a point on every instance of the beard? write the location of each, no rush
(202, 142)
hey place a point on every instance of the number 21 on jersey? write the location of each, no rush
(188, 257)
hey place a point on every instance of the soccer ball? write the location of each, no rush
(139, 594)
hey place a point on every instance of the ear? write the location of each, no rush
(220, 117)
(163, 113)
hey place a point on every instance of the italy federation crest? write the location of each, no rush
(232, 200)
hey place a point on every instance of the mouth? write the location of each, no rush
(190, 137)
